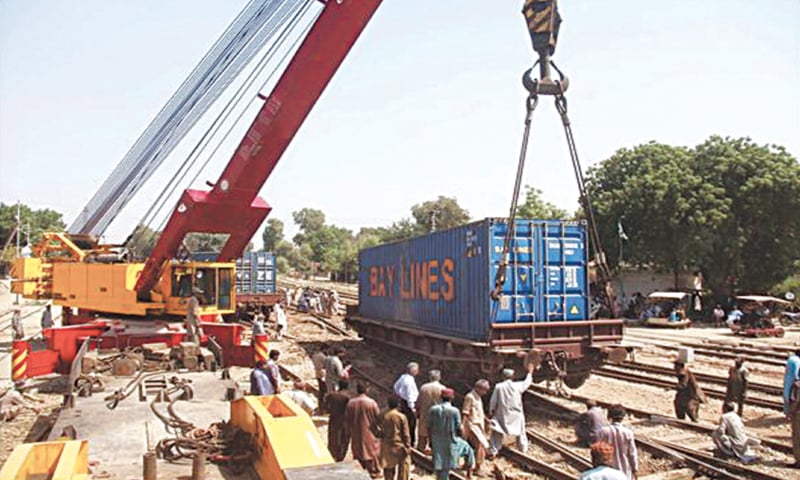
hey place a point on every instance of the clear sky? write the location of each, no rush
(428, 103)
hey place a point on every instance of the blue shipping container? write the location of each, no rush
(255, 273)
(441, 282)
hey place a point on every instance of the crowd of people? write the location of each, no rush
(319, 301)
(423, 416)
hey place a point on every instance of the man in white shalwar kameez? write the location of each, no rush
(730, 437)
(505, 410)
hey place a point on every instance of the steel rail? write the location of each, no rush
(699, 461)
(535, 465)
(567, 453)
(732, 470)
(607, 371)
(703, 377)
(724, 351)
(542, 395)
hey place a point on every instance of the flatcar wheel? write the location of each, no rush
(576, 380)
(779, 332)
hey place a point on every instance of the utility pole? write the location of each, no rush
(19, 225)
(433, 217)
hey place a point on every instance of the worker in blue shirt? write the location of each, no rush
(259, 380)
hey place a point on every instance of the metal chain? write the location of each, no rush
(500, 278)
(602, 266)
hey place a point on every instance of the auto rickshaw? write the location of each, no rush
(759, 316)
(667, 310)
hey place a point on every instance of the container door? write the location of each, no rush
(565, 270)
(518, 303)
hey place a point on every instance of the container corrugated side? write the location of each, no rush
(432, 282)
(441, 282)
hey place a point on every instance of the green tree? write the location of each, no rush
(327, 247)
(757, 237)
(535, 207)
(205, 242)
(442, 213)
(309, 219)
(142, 241)
(790, 284)
(401, 230)
(273, 234)
(34, 222)
(728, 206)
(669, 212)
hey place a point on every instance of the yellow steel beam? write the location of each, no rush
(48, 460)
(284, 435)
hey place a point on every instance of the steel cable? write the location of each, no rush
(216, 126)
(232, 51)
(188, 162)
(210, 86)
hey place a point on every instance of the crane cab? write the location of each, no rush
(212, 283)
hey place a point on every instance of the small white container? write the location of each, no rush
(685, 355)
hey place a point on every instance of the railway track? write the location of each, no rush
(542, 394)
(700, 461)
(703, 377)
(612, 371)
(758, 354)
(713, 352)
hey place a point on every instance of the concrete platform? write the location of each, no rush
(118, 439)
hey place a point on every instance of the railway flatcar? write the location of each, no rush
(429, 296)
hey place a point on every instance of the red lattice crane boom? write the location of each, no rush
(233, 206)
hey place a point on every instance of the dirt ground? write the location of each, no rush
(384, 365)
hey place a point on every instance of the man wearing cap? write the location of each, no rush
(429, 395)
(602, 461)
(505, 410)
(444, 424)
(406, 389)
(626, 457)
(736, 389)
(473, 421)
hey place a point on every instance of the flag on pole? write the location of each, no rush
(621, 231)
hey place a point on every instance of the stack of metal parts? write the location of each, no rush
(257, 25)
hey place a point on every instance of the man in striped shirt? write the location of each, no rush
(622, 439)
